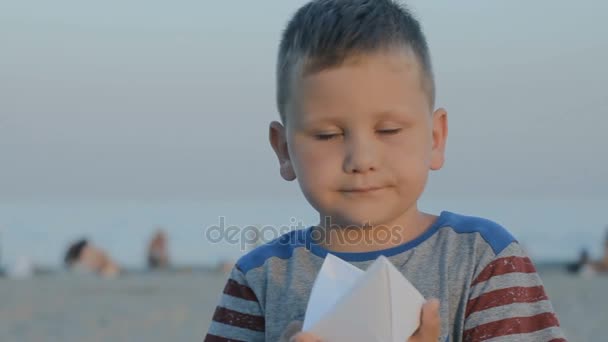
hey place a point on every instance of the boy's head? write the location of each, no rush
(326, 33)
(356, 97)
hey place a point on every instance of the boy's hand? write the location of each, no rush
(429, 330)
(430, 325)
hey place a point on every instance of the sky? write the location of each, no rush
(154, 99)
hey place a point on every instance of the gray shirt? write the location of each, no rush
(488, 288)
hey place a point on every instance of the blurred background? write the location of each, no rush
(139, 125)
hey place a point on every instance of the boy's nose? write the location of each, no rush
(360, 156)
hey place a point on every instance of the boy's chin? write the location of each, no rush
(353, 221)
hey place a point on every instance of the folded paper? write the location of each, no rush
(348, 304)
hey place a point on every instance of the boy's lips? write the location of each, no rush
(364, 189)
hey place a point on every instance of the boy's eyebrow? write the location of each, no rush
(386, 113)
(398, 114)
(328, 119)
(395, 113)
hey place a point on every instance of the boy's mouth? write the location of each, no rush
(366, 189)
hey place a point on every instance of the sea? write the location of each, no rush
(39, 231)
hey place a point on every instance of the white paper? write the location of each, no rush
(335, 279)
(347, 304)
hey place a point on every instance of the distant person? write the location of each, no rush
(1, 269)
(158, 254)
(584, 257)
(83, 255)
(583, 261)
(604, 262)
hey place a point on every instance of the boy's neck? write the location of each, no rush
(373, 238)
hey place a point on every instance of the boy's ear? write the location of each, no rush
(440, 135)
(278, 141)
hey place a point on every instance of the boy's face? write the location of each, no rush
(361, 138)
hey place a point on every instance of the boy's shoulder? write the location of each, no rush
(282, 247)
(493, 233)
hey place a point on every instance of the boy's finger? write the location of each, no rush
(430, 321)
(304, 337)
(430, 325)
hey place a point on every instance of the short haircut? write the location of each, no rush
(74, 252)
(324, 33)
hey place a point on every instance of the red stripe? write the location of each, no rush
(506, 296)
(235, 289)
(215, 338)
(506, 265)
(239, 319)
(558, 340)
(510, 326)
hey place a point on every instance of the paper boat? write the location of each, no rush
(349, 305)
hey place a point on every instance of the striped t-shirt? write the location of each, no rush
(488, 288)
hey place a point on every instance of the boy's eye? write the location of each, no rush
(389, 131)
(327, 136)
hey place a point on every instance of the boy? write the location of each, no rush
(359, 133)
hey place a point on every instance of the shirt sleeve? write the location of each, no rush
(239, 315)
(507, 302)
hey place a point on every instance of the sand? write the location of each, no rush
(169, 307)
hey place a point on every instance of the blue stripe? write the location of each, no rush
(494, 234)
(281, 247)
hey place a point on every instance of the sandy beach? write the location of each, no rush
(170, 307)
